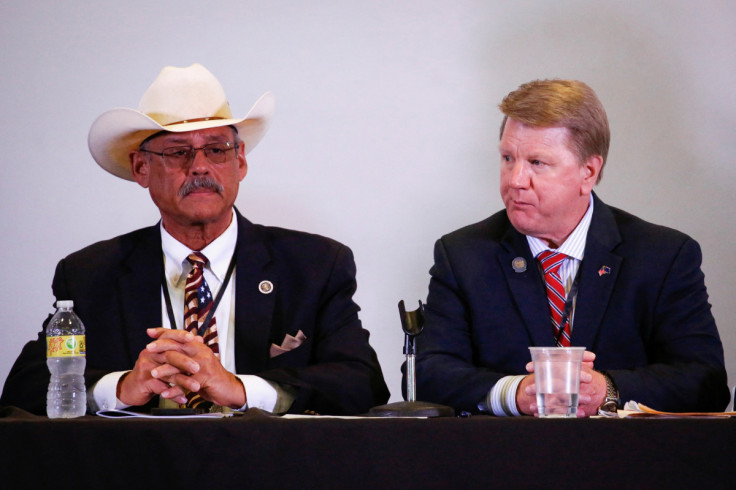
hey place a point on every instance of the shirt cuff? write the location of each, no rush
(258, 393)
(502, 397)
(103, 394)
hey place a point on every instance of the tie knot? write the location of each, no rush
(551, 261)
(197, 259)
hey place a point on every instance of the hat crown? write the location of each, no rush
(184, 94)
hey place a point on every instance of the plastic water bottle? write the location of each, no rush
(65, 357)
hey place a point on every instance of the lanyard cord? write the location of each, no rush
(567, 312)
(201, 330)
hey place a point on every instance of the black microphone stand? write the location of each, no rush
(412, 322)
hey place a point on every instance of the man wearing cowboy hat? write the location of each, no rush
(269, 322)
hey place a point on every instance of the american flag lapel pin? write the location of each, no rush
(604, 270)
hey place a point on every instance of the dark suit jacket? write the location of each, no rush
(116, 288)
(647, 319)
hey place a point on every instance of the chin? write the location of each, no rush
(201, 216)
(522, 223)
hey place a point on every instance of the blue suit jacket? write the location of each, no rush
(642, 308)
(116, 288)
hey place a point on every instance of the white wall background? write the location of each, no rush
(386, 129)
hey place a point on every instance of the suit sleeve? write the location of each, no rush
(343, 375)
(685, 369)
(446, 369)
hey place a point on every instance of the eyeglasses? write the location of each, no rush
(183, 156)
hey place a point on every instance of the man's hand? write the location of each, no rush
(175, 363)
(214, 382)
(591, 396)
(592, 392)
(159, 366)
(526, 394)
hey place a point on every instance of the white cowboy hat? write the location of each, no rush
(179, 100)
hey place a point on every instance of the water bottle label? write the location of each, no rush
(65, 346)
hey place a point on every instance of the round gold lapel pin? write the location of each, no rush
(519, 264)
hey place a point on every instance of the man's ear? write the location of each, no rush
(591, 169)
(242, 162)
(139, 167)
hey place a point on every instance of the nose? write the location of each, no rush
(200, 165)
(519, 176)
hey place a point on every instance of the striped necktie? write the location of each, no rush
(551, 262)
(197, 305)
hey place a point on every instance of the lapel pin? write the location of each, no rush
(604, 270)
(519, 264)
(265, 287)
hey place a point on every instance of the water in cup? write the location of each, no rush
(560, 405)
(557, 380)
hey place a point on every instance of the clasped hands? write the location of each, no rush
(175, 363)
(591, 396)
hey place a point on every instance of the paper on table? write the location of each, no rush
(635, 409)
(116, 414)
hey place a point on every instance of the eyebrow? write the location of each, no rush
(504, 149)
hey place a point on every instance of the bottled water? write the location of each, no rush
(65, 357)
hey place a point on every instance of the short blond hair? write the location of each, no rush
(562, 103)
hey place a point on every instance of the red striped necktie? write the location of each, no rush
(551, 262)
(197, 305)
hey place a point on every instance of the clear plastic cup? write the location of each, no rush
(557, 379)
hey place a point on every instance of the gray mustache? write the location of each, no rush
(200, 183)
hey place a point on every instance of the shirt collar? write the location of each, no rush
(219, 253)
(574, 246)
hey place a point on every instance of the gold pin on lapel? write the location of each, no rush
(519, 264)
(265, 287)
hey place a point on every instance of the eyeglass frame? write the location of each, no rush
(193, 153)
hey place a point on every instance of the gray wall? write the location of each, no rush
(386, 129)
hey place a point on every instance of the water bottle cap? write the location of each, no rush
(65, 304)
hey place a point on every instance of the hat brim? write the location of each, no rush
(119, 131)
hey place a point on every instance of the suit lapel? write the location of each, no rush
(598, 274)
(254, 305)
(140, 291)
(527, 290)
